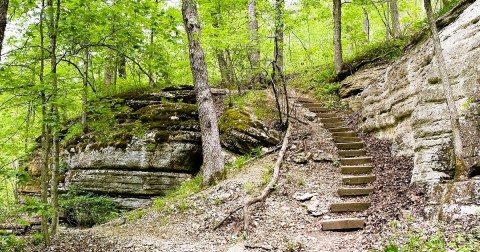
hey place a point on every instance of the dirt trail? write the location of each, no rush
(281, 223)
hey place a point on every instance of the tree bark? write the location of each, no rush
(85, 91)
(54, 17)
(366, 23)
(461, 172)
(395, 16)
(254, 52)
(3, 21)
(213, 162)
(337, 35)
(122, 67)
(279, 29)
(45, 134)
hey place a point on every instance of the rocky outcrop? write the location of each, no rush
(144, 144)
(404, 102)
(240, 133)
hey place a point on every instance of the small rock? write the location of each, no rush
(300, 159)
(309, 155)
(224, 197)
(318, 213)
(304, 197)
(323, 157)
(312, 205)
(310, 115)
(237, 248)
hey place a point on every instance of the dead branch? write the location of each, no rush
(268, 189)
(271, 185)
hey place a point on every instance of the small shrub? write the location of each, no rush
(10, 242)
(87, 210)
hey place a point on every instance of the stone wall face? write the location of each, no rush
(404, 101)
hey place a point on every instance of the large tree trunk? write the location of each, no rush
(45, 133)
(213, 162)
(395, 16)
(54, 16)
(254, 52)
(461, 172)
(337, 35)
(3, 21)
(279, 27)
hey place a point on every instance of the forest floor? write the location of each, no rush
(282, 222)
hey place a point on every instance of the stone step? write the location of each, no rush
(347, 139)
(349, 207)
(356, 169)
(352, 153)
(343, 224)
(334, 125)
(313, 104)
(303, 99)
(319, 109)
(326, 115)
(358, 180)
(331, 120)
(344, 134)
(359, 191)
(349, 146)
(355, 160)
(340, 129)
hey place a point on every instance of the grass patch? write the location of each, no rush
(180, 193)
(405, 237)
(256, 102)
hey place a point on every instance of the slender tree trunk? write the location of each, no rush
(151, 78)
(337, 35)
(85, 91)
(395, 16)
(213, 162)
(54, 16)
(223, 64)
(3, 21)
(254, 52)
(45, 133)
(461, 172)
(366, 23)
(122, 67)
(279, 40)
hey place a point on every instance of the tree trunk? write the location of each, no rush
(366, 23)
(3, 21)
(254, 52)
(337, 35)
(395, 16)
(151, 78)
(54, 16)
(279, 27)
(122, 67)
(213, 162)
(45, 134)
(461, 173)
(85, 91)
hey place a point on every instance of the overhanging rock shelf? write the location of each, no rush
(356, 170)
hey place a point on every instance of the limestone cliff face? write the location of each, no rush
(404, 102)
(147, 143)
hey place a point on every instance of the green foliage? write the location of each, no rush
(180, 193)
(10, 243)
(86, 210)
(255, 101)
(409, 238)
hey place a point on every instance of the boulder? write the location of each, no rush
(241, 134)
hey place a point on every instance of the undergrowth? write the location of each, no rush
(406, 237)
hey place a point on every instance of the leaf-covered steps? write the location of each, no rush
(356, 170)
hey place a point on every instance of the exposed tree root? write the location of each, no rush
(266, 191)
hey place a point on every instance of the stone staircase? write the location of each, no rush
(356, 170)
